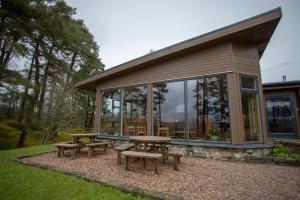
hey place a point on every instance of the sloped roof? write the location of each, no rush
(256, 30)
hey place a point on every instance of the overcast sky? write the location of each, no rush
(126, 29)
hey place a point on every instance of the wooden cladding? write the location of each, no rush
(214, 59)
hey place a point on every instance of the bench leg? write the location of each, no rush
(90, 152)
(175, 163)
(58, 151)
(178, 161)
(155, 166)
(144, 163)
(73, 152)
(126, 163)
(119, 158)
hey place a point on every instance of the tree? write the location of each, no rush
(57, 50)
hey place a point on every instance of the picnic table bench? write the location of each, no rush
(143, 156)
(96, 145)
(121, 148)
(61, 147)
(176, 153)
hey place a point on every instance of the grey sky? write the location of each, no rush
(126, 29)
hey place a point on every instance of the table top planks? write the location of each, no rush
(150, 139)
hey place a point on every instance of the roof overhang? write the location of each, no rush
(257, 31)
(285, 85)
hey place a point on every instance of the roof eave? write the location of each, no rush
(273, 15)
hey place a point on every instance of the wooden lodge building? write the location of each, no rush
(205, 91)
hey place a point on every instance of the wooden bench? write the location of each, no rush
(176, 153)
(96, 145)
(143, 156)
(123, 147)
(61, 147)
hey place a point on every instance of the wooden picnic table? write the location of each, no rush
(154, 140)
(77, 136)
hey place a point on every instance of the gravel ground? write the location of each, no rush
(197, 178)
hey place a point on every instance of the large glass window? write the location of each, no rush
(110, 112)
(281, 116)
(134, 111)
(168, 109)
(208, 112)
(250, 108)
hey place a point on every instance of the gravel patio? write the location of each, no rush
(197, 178)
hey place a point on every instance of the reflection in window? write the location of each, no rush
(110, 111)
(280, 114)
(168, 109)
(134, 111)
(250, 110)
(208, 112)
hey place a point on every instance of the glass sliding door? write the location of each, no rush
(168, 109)
(134, 111)
(250, 109)
(281, 118)
(208, 112)
(110, 112)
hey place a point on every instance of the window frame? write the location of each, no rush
(257, 92)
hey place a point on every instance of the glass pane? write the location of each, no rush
(134, 111)
(248, 83)
(208, 112)
(110, 112)
(168, 109)
(251, 117)
(279, 113)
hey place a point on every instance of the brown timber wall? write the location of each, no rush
(246, 61)
(213, 59)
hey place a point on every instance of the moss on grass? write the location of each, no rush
(10, 131)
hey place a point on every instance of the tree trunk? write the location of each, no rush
(24, 97)
(26, 128)
(37, 88)
(23, 136)
(71, 66)
(32, 103)
(44, 85)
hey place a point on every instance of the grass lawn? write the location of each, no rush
(18, 181)
(10, 131)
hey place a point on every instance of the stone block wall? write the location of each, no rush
(217, 152)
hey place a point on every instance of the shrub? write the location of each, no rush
(284, 152)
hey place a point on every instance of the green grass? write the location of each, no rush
(10, 131)
(18, 181)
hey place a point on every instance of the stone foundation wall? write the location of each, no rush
(217, 152)
(227, 153)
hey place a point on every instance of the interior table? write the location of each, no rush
(77, 136)
(154, 140)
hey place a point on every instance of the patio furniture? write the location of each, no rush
(121, 148)
(61, 147)
(176, 153)
(96, 145)
(143, 156)
(141, 127)
(152, 141)
(77, 136)
(162, 130)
